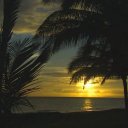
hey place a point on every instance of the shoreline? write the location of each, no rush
(114, 118)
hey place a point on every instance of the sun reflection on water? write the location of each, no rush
(87, 106)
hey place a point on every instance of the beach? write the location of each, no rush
(116, 118)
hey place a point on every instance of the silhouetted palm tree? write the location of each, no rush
(20, 62)
(93, 60)
(93, 20)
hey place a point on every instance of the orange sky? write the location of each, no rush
(55, 81)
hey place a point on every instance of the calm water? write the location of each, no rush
(74, 104)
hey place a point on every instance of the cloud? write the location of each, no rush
(32, 14)
(51, 71)
(55, 74)
(55, 82)
(54, 77)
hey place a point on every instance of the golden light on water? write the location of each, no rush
(87, 105)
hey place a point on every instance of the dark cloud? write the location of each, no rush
(55, 74)
(32, 14)
(67, 90)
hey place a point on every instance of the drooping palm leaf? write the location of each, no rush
(111, 28)
(93, 63)
(66, 27)
(27, 58)
(89, 18)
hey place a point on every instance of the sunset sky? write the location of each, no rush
(55, 77)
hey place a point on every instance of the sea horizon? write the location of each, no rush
(73, 104)
(73, 97)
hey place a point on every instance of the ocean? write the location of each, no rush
(62, 104)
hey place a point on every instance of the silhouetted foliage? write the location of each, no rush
(93, 60)
(95, 21)
(20, 62)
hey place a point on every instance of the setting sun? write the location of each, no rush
(88, 86)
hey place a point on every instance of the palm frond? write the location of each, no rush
(50, 1)
(71, 18)
(20, 62)
(26, 64)
(84, 4)
(10, 15)
(66, 27)
(26, 60)
(93, 60)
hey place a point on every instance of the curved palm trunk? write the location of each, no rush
(125, 92)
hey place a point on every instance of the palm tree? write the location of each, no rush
(91, 20)
(20, 63)
(93, 60)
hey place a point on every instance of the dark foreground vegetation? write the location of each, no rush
(99, 119)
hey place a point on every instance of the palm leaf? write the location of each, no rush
(93, 60)
(22, 72)
(10, 16)
(66, 27)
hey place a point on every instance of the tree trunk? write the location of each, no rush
(125, 92)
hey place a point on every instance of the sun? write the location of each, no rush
(88, 86)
